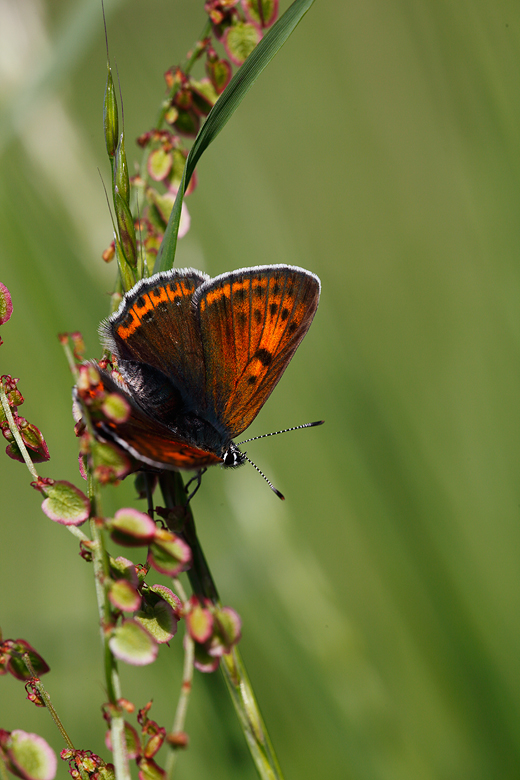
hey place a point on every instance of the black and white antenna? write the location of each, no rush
(280, 495)
(285, 430)
(275, 433)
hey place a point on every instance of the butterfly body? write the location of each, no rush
(199, 357)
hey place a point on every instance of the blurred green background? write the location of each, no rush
(380, 602)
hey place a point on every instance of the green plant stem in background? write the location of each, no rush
(246, 707)
(239, 686)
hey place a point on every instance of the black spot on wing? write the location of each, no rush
(264, 356)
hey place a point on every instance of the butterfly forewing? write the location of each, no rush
(251, 323)
(156, 326)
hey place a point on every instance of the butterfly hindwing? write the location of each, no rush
(251, 322)
(150, 441)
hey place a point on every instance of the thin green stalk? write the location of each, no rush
(182, 705)
(47, 701)
(101, 573)
(16, 433)
(232, 666)
(248, 711)
(70, 359)
(27, 458)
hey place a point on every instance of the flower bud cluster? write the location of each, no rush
(11, 659)
(239, 25)
(214, 629)
(85, 762)
(109, 463)
(32, 437)
(142, 616)
(139, 203)
(141, 747)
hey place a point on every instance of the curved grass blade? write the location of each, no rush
(222, 111)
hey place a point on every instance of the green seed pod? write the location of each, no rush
(110, 116)
(121, 180)
(125, 224)
(125, 271)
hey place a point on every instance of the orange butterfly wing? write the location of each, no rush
(251, 322)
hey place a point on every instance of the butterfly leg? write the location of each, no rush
(150, 483)
(198, 477)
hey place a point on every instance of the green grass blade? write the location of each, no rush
(222, 111)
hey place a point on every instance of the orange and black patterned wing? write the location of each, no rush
(251, 321)
(156, 325)
(148, 440)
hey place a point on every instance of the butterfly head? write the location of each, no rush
(233, 457)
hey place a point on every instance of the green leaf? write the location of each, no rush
(160, 621)
(240, 40)
(6, 304)
(223, 110)
(131, 642)
(269, 11)
(159, 164)
(110, 463)
(124, 596)
(66, 504)
(30, 756)
(16, 665)
(169, 556)
(132, 528)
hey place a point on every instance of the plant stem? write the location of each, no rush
(232, 666)
(70, 358)
(182, 704)
(101, 574)
(16, 433)
(47, 701)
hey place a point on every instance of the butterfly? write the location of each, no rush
(199, 357)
